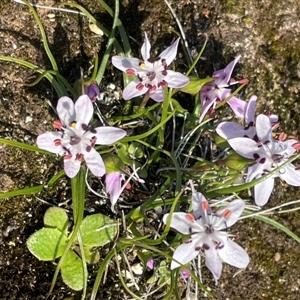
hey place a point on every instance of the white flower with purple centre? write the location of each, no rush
(268, 154)
(75, 140)
(152, 75)
(206, 233)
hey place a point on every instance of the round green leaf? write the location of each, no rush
(72, 271)
(56, 217)
(47, 243)
(97, 230)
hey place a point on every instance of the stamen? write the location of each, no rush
(57, 142)
(204, 206)
(226, 214)
(79, 157)
(163, 84)
(73, 124)
(57, 124)
(130, 72)
(68, 156)
(296, 146)
(139, 86)
(190, 217)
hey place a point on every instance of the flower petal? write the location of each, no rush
(107, 135)
(213, 262)
(290, 175)
(264, 128)
(125, 63)
(170, 53)
(46, 141)
(157, 95)
(263, 190)
(113, 186)
(95, 162)
(66, 110)
(234, 255)
(205, 108)
(223, 76)
(180, 222)
(238, 106)
(146, 47)
(230, 130)
(71, 167)
(235, 208)
(245, 147)
(131, 90)
(197, 199)
(84, 110)
(176, 79)
(185, 253)
(250, 110)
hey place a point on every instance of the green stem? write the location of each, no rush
(78, 199)
(106, 56)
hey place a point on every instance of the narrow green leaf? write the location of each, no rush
(26, 191)
(57, 217)
(23, 146)
(72, 271)
(47, 244)
(97, 230)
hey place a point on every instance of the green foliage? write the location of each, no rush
(97, 230)
(47, 243)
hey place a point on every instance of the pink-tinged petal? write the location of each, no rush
(231, 130)
(134, 89)
(46, 141)
(66, 110)
(113, 186)
(223, 76)
(234, 255)
(146, 47)
(176, 79)
(238, 106)
(71, 167)
(170, 53)
(289, 145)
(213, 262)
(264, 128)
(95, 162)
(125, 63)
(107, 135)
(250, 110)
(157, 95)
(245, 147)
(205, 108)
(84, 110)
(197, 199)
(263, 190)
(273, 118)
(290, 175)
(181, 222)
(185, 253)
(231, 212)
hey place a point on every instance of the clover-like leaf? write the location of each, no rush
(47, 243)
(56, 217)
(72, 271)
(97, 230)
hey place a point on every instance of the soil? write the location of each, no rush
(265, 33)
